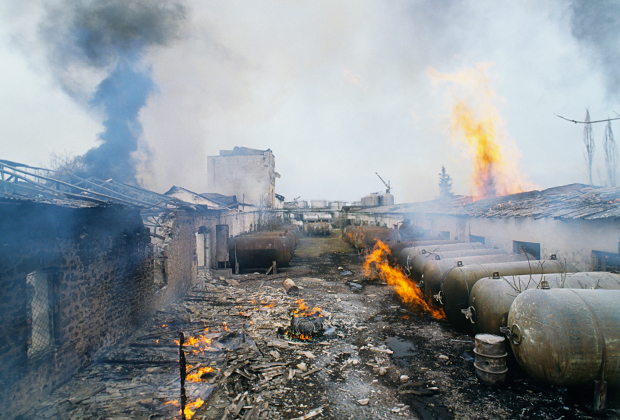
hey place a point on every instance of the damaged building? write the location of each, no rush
(576, 222)
(84, 261)
(248, 174)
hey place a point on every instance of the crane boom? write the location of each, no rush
(387, 185)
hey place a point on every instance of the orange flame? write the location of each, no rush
(201, 342)
(197, 376)
(476, 124)
(304, 310)
(189, 407)
(404, 287)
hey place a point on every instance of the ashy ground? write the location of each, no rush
(377, 359)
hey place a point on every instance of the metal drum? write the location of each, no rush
(410, 252)
(490, 359)
(490, 298)
(458, 282)
(434, 271)
(567, 336)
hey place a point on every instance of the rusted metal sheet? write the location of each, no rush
(434, 271)
(417, 263)
(458, 283)
(567, 336)
(490, 298)
(413, 250)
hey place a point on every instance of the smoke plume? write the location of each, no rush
(90, 40)
(597, 24)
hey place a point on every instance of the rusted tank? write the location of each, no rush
(434, 271)
(490, 298)
(260, 249)
(458, 282)
(567, 336)
(417, 263)
(318, 229)
(410, 252)
(367, 236)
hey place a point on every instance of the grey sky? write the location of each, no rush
(337, 89)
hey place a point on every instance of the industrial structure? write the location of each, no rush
(248, 174)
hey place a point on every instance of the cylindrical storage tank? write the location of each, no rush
(325, 216)
(434, 271)
(490, 359)
(413, 250)
(318, 229)
(567, 336)
(310, 217)
(302, 204)
(254, 251)
(490, 299)
(318, 204)
(458, 282)
(417, 263)
(398, 246)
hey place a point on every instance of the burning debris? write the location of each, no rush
(306, 323)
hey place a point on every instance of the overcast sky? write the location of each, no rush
(336, 89)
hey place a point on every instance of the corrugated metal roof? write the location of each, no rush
(575, 201)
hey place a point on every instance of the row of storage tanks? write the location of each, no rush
(563, 326)
(260, 249)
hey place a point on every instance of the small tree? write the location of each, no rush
(611, 156)
(445, 184)
(588, 141)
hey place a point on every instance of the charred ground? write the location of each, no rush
(353, 372)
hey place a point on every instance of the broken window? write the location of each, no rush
(606, 261)
(531, 248)
(474, 238)
(39, 314)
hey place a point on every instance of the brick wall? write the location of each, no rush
(96, 262)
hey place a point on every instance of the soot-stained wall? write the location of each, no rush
(73, 281)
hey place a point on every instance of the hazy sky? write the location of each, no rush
(336, 89)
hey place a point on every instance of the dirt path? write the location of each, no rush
(352, 372)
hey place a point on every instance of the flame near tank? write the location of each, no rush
(477, 126)
(376, 262)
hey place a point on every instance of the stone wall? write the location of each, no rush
(96, 268)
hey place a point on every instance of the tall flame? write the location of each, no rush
(477, 126)
(403, 285)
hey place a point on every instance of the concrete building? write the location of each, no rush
(578, 223)
(248, 174)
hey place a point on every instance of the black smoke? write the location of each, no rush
(111, 36)
(597, 25)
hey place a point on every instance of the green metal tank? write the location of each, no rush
(435, 271)
(490, 298)
(410, 252)
(458, 283)
(417, 263)
(567, 336)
